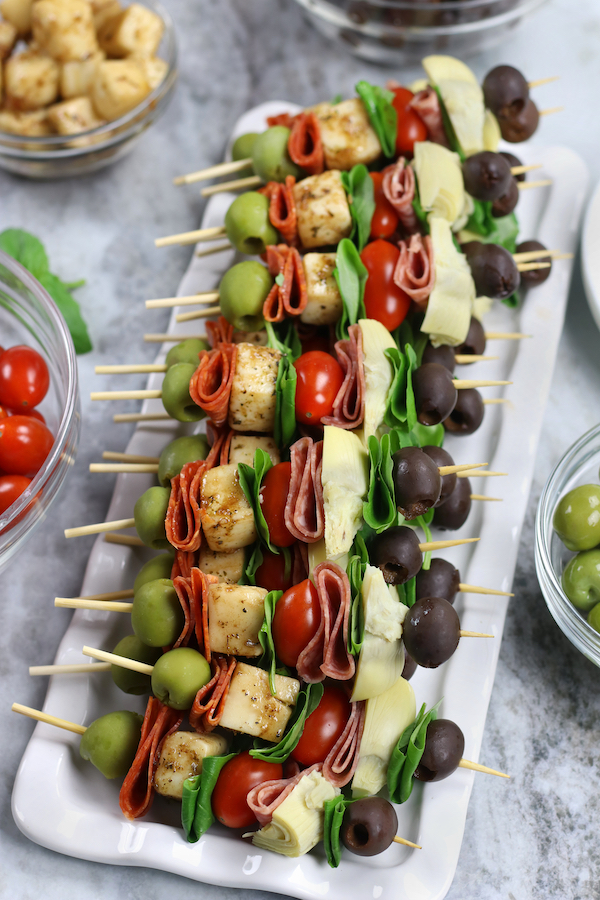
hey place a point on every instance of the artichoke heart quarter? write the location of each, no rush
(462, 97)
(345, 480)
(379, 373)
(451, 301)
(440, 181)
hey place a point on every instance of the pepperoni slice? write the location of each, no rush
(305, 146)
(210, 385)
(207, 708)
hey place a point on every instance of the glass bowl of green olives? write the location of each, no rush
(567, 544)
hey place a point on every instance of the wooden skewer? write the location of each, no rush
(126, 395)
(520, 170)
(473, 474)
(132, 468)
(443, 545)
(226, 168)
(551, 110)
(105, 605)
(131, 369)
(399, 840)
(466, 358)
(127, 540)
(461, 383)
(129, 457)
(249, 182)
(191, 300)
(172, 338)
(202, 314)
(99, 528)
(451, 470)
(495, 400)
(467, 764)
(117, 660)
(474, 634)
(76, 669)
(505, 335)
(48, 719)
(191, 237)
(540, 81)
(474, 589)
(144, 417)
(113, 595)
(218, 248)
(532, 266)
(528, 255)
(529, 185)
(485, 497)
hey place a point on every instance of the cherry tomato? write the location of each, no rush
(4, 412)
(271, 572)
(385, 217)
(323, 727)
(24, 445)
(296, 621)
(24, 378)
(320, 377)
(410, 127)
(384, 300)
(11, 488)
(236, 779)
(273, 496)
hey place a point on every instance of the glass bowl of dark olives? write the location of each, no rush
(403, 31)
(567, 544)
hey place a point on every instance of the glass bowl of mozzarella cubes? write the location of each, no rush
(80, 81)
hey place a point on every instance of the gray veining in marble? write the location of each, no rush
(535, 837)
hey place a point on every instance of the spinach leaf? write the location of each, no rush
(265, 636)
(254, 559)
(359, 187)
(308, 700)
(401, 412)
(379, 509)
(288, 343)
(382, 115)
(355, 570)
(429, 435)
(407, 754)
(511, 301)
(351, 276)
(250, 481)
(407, 592)
(196, 810)
(489, 230)
(420, 213)
(334, 810)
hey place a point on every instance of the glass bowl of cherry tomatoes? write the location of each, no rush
(40, 413)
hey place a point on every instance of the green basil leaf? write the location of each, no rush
(26, 249)
(337, 99)
(308, 700)
(254, 559)
(265, 636)
(70, 310)
(379, 509)
(334, 810)
(382, 115)
(407, 592)
(355, 570)
(361, 199)
(250, 482)
(284, 337)
(407, 754)
(429, 435)
(285, 426)
(351, 276)
(511, 301)
(449, 129)
(196, 810)
(489, 230)
(419, 211)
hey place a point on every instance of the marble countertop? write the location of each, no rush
(532, 838)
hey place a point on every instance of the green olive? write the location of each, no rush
(149, 513)
(581, 580)
(179, 452)
(176, 393)
(178, 676)
(110, 743)
(158, 567)
(247, 224)
(242, 149)
(157, 617)
(186, 352)
(132, 648)
(594, 617)
(577, 518)
(270, 155)
(242, 293)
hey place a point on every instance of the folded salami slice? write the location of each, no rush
(399, 188)
(340, 765)
(349, 405)
(207, 708)
(304, 511)
(415, 270)
(305, 146)
(282, 208)
(137, 793)
(426, 104)
(327, 654)
(264, 799)
(299, 562)
(210, 385)
(219, 332)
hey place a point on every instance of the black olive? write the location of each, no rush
(444, 748)
(417, 482)
(474, 343)
(505, 204)
(396, 552)
(453, 514)
(431, 631)
(369, 826)
(441, 457)
(513, 161)
(467, 415)
(442, 355)
(435, 394)
(519, 127)
(410, 667)
(535, 276)
(505, 90)
(486, 175)
(493, 269)
(441, 579)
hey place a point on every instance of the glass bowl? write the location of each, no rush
(29, 316)
(579, 465)
(64, 156)
(394, 32)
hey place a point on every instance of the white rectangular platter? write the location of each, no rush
(63, 803)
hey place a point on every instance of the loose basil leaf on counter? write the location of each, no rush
(407, 754)
(351, 276)
(288, 344)
(334, 810)
(196, 810)
(308, 700)
(382, 115)
(361, 199)
(251, 480)
(265, 636)
(379, 509)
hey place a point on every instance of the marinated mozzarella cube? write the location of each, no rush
(154, 70)
(346, 133)
(181, 757)
(253, 394)
(322, 208)
(119, 87)
(324, 303)
(235, 615)
(137, 31)
(103, 10)
(8, 38)
(30, 80)
(226, 566)
(64, 28)
(251, 708)
(250, 337)
(29, 124)
(226, 516)
(18, 13)
(73, 116)
(77, 77)
(243, 447)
